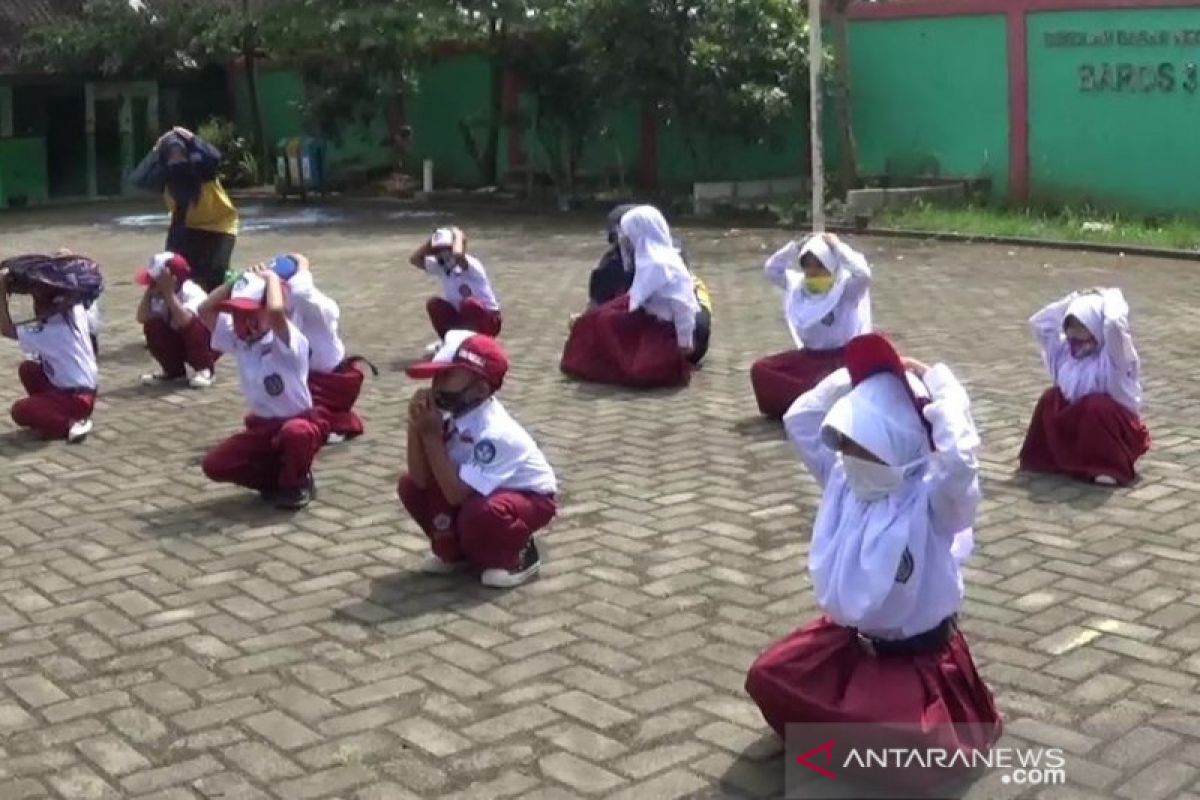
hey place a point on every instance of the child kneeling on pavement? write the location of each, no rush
(477, 483)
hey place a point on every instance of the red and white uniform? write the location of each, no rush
(886, 570)
(62, 376)
(283, 434)
(820, 324)
(467, 301)
(638, 338)
(1088, 424)
(173, 348)
(335, 383)
(513, 481)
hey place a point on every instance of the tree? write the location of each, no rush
(123, 39)
(356, 56)
(733, 67)
(847, 173)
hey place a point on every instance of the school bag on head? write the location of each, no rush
(151, 174)
(76, 278)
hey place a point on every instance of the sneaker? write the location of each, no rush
(295, 499)
(531, 563)
(335, 438)
(433, 565)
(1105, 480)
(160, 379)
(572, 320)
(432, 348)
(201, 379)
(79, 431)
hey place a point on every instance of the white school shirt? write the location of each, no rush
(274, 375)
(1115, 370)
(845, 309)
(190, 297)
(317, 316)
(469, 281)
(494, 452)
(63, 345)
(894, 569)
(95, 318)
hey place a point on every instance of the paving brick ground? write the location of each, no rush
(163, 638)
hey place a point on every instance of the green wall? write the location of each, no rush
(1127, 139)
(930, 96)
(23, 170)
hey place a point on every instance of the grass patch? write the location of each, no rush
(1072, 226)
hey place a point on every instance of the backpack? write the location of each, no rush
(76, 278)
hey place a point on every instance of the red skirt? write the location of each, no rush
(780, 379)
(611, 344)
(334, 395)
(822, 675)
(1093, 436)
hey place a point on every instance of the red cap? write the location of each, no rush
(173, 261)
(475, 352)
(873, 353)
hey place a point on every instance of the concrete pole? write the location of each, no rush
(815, 62)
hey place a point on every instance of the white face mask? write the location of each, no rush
(871, 481)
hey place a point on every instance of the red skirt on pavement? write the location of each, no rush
(823, 675)
(780, 379)
(611, 344)
(1091, 437)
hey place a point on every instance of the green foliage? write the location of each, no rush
(239, 167)
(117, 39)
(356, 56)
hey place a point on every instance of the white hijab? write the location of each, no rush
(660, 268)
(858, 547)
(1079, 377)
(803, 309)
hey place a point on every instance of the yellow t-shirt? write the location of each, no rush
(702, 295)
(213, 211)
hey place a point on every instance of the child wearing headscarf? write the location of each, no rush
(1088, 424)
(647, 337)
(893, 446)
(613, 277)
(826, 304)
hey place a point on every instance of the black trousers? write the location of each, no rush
(207, 253)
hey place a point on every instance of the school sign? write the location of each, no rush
(1065, 101)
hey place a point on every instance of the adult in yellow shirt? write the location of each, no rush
(204, 221)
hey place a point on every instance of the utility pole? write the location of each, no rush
(817, 156)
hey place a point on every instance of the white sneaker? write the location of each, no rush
(158, 379)
(531, 564)
(79, 431)
(201, 379)
(1105, 480)
(432, 348)
(335, 438)
(432, 565)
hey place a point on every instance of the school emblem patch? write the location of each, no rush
(442, 522)
(905, 570)
(273, 384)
(464, 291)
(485, 452)
(827, 320)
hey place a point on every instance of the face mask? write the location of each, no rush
(453, 403)
(1082, 348)
(870, 481)
(819, 284)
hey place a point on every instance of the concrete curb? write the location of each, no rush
(1048, 244)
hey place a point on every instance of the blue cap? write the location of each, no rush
(285, 267)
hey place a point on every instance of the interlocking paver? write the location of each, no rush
(162, 637)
